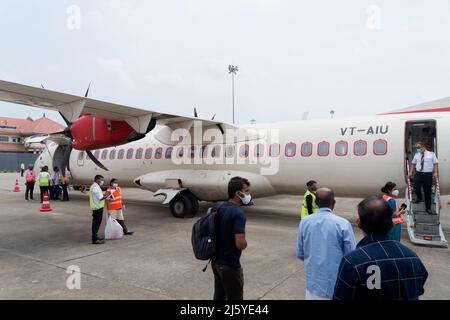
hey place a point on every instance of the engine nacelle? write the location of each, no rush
(93, 133)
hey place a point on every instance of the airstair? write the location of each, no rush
(424, 228)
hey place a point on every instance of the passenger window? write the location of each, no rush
(380, 147)
(139, 153)
(323, 149)
(229, 152)
(204, 153)
(97, 153)
(243, 151)
(120, 154)
(169, 153)
(112, 154)
(104, 154)
(130, 153)
(148, 153)
(341, 148)
(81, 155)
(360, 148)
(291, 150)
(259, 150)
(180, 152)
(158, 153)
(307, 149)
(192, 152)
(215, 153)
(274, 150)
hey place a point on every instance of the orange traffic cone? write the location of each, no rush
(45, 207)
(16, 188)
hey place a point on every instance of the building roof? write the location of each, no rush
(28, 127)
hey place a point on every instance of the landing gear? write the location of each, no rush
(185, 204)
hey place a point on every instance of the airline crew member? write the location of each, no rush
(309, 200)
(56, 182)
(425, 166)
(115, 205)
(31, 180)
(97, 203)
(44, 181)
(65, 180)
(390, 194)
(22, 169)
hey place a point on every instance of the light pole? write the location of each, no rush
(233, 70)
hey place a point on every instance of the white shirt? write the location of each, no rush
(430, 160)
(97, 193)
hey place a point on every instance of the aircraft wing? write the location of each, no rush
(72, 106)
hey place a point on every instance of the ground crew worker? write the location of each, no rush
(44, 181)
(309, 200)
(22, 169)
(30, 177)
(115, 206)
(390, 194)
(65, 180)
(97, 203)
(425, 167)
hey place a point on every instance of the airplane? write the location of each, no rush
(188, 160)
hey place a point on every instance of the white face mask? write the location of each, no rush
(395, 193)
(115, 185)
(246, 199)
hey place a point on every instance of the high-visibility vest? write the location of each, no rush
(304, 212)
(396, 217)
(44, 179)
(92, 203)
(115, 203)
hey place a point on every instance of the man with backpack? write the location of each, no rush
(230, 223)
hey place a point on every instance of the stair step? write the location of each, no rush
(433, 237)
(427, 218)
(428, 229)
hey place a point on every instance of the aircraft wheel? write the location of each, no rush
(181, 206)
(194, 203)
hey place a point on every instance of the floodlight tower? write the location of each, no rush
(233, 71)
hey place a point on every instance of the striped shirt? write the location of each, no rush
(380, 269)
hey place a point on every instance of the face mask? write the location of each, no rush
(419, 150)
(246, 199)
(101, 183)
(395, 193)
(115, 185)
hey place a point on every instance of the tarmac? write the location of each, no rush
(157, 263)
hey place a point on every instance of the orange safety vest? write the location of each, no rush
(115, 203)
(30, 176)
(396, 217)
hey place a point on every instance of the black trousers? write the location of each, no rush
(425, 180)
(97, 216)
(65, 192)
(57, 192)
(29, 190)
(228, 282)
(44, 190)
(51, 190)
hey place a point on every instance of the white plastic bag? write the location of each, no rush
(113, 230)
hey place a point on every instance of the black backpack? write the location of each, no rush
(204, 236)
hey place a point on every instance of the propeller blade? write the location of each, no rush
(42, 86)
(65, 119)
(195, 113)
(87, 92)
(98, 163)
(214, 116)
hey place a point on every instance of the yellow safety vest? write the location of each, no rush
(44, 179)
(305, 212)
(92, 203)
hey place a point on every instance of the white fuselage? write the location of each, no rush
(348, 171)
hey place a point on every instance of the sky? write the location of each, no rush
(355, 57)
